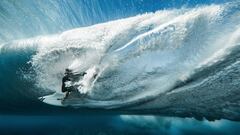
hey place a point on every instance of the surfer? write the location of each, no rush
(66, 81)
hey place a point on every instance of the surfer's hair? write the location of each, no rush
(67, 71)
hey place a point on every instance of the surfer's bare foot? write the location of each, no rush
(64, 98)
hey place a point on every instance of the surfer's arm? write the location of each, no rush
(78, 74)
(81, 74)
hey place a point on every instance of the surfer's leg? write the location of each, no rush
(66, 95)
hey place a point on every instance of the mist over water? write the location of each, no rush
(174, 58)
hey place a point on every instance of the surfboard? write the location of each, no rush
(53, 99)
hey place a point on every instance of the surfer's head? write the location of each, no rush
(68, 71)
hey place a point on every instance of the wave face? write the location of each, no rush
(181, 62)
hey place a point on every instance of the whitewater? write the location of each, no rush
(181, 62)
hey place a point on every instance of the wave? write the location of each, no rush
(144, 61)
